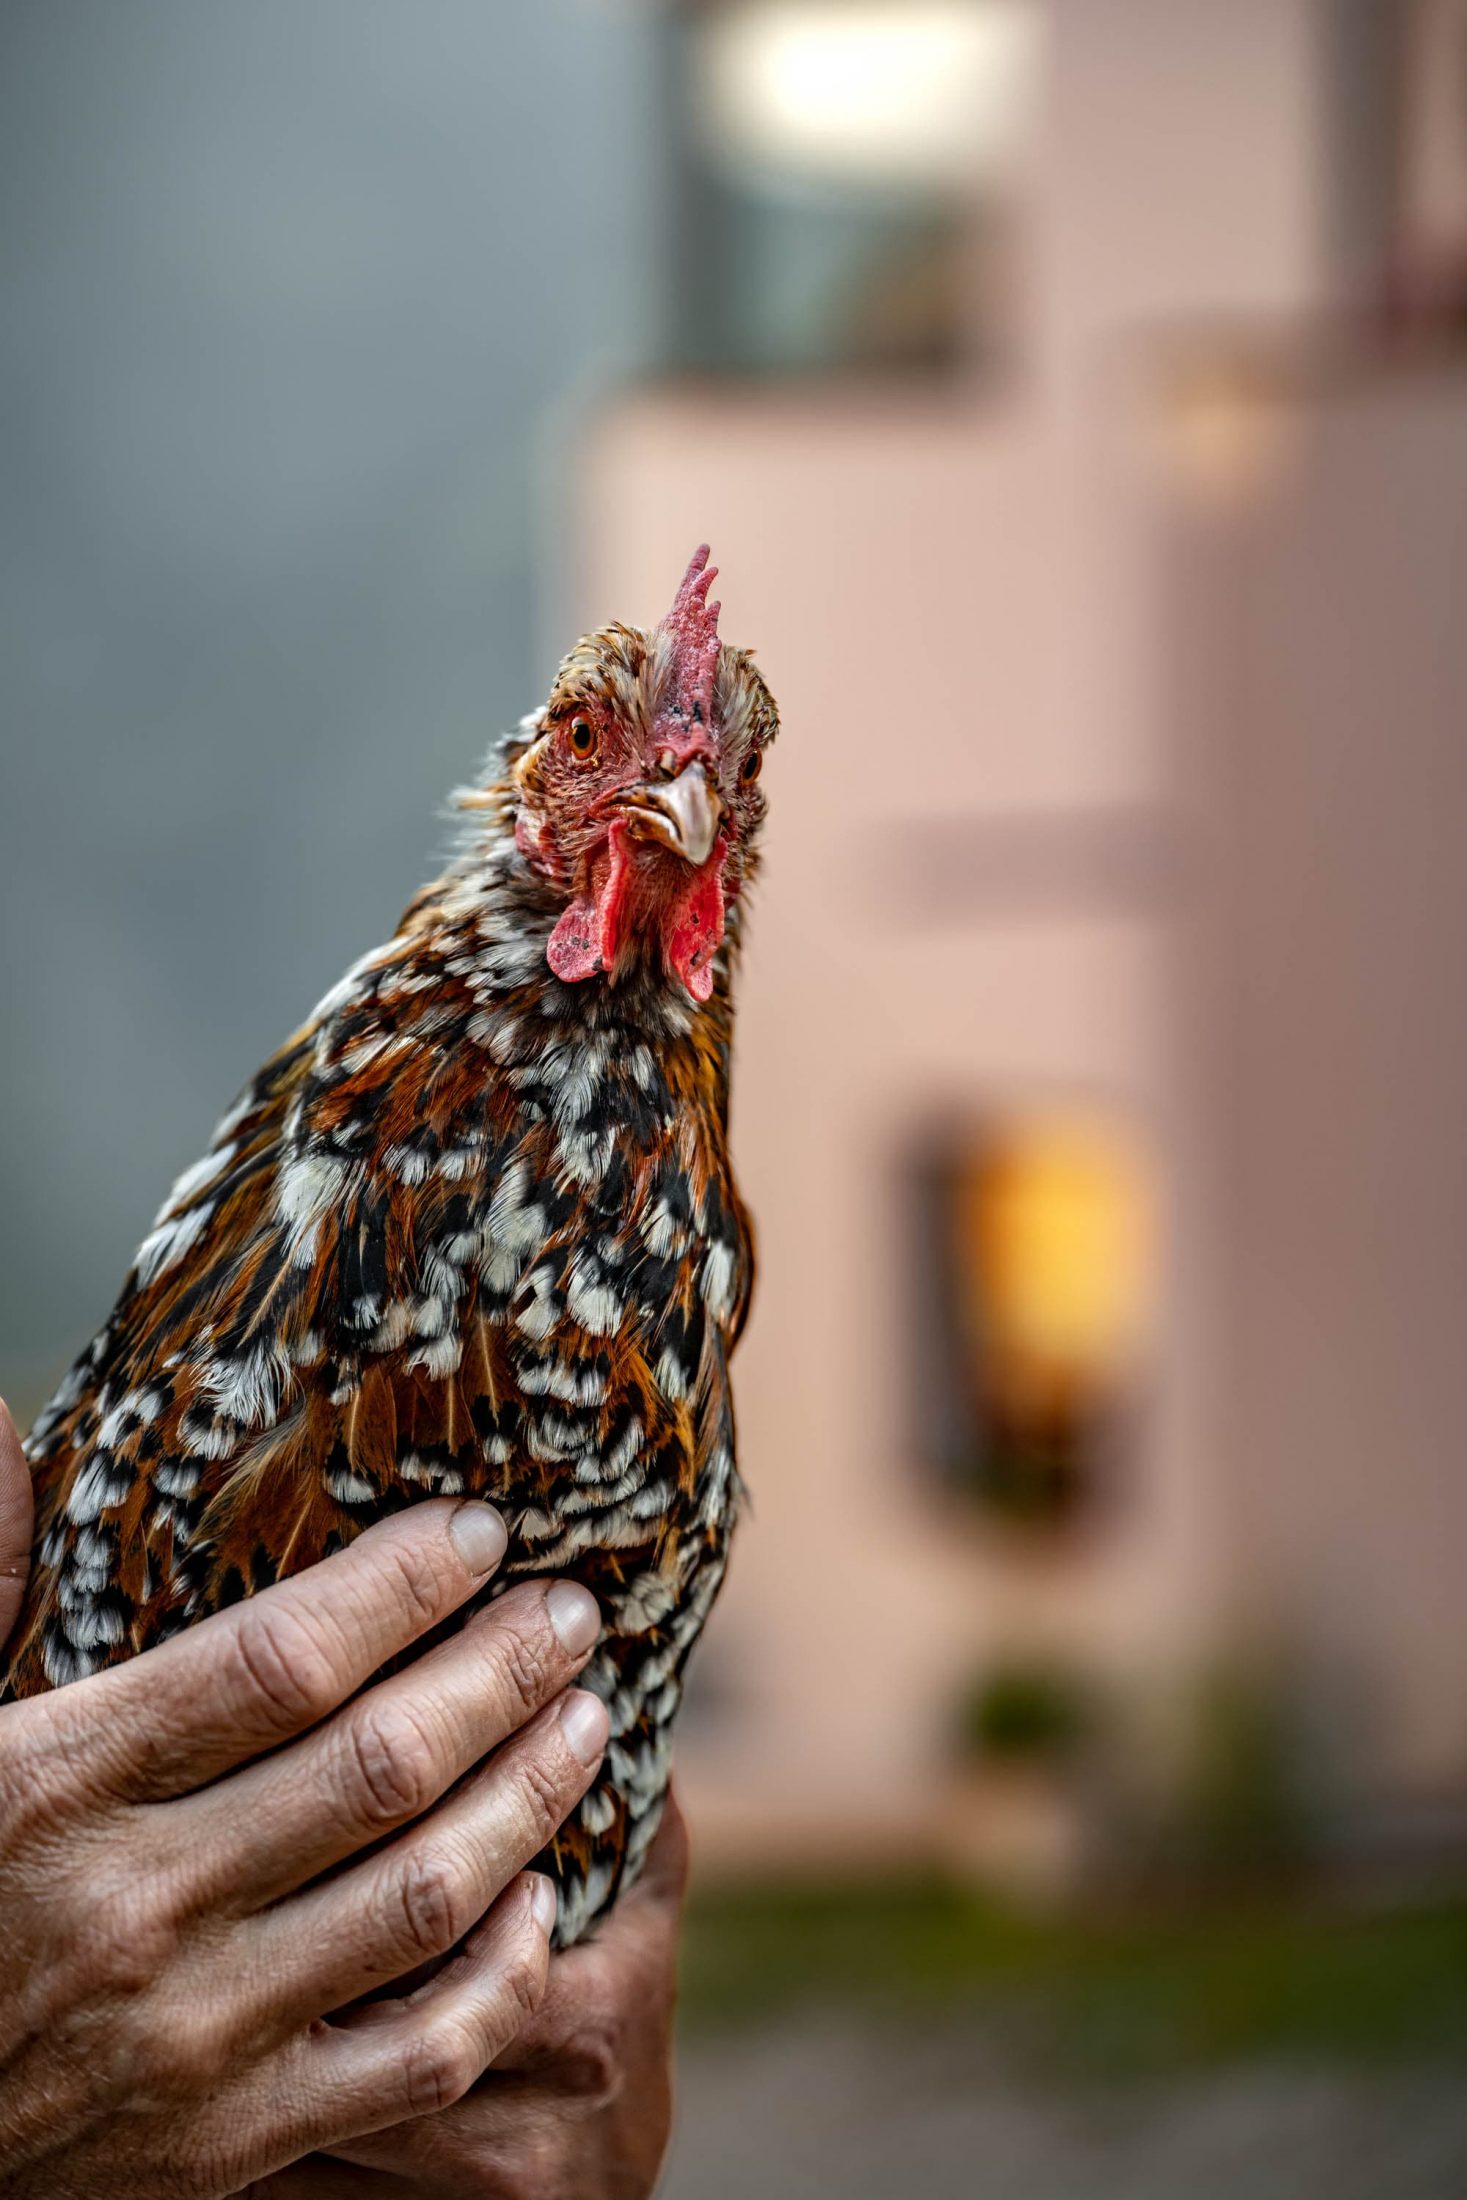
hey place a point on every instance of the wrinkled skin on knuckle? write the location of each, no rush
(431, 1903)
(439, 2064)
(392, 1767)
(524, 1990)
(284, 1673)
(418, 1583)
(545, 1795)
(524, 1663)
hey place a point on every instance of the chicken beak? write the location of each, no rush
(684, 813)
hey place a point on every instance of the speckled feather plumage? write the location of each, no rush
(471, 1231)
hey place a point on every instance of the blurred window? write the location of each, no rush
(847, 178)
(1036, 1242)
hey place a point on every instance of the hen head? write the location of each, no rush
(638, 793)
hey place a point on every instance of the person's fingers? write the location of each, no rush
(399, 2059)
(249, 1678)
(631, 1962)
(415, 1899)
(606, 2013)
(394, 2060)
(386, 1758)
(15, 1523)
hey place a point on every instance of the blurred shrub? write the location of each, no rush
(1024, 1714)
(1112, 1994)
(1242, 1808)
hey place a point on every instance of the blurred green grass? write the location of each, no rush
(1108, 1997)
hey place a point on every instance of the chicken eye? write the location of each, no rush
(750, 768)
(584, 740)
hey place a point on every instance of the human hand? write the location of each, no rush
(173, 1950)
(578, 2107)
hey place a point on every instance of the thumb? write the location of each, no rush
(15, 1523)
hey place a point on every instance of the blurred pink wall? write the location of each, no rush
(971, 610)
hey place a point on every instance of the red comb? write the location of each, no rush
(693, 625)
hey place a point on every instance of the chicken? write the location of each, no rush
(472, 1230)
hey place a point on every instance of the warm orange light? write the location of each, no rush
(1058, 1216)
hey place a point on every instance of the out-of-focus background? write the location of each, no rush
(1074, 394)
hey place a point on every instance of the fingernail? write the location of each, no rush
(586, 1725)
(479, 1537)
(574, 1614)
(542, 1902)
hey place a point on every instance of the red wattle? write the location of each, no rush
(688, 925)
(585, 939)
(574, 951)
(695, 929)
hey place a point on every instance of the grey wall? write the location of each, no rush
(296, 296)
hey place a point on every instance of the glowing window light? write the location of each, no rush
(1060, 1220)
(897, 92)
